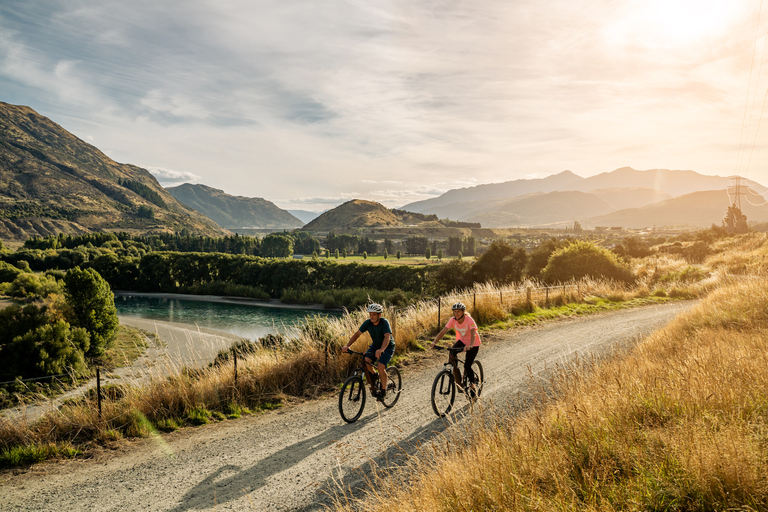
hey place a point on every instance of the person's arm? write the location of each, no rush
(472, 338)
(351, 341)
(440, 336)
(383, 345)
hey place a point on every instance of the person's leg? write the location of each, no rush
(471, 355)
(383, 377)
(368, 369)
(455, 362)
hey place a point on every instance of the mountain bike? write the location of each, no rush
(353, 394)
(444, 386)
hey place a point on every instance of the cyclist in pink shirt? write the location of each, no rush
(467, 338)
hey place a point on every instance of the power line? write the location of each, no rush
(749, 86)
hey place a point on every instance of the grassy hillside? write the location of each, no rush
(52, 182)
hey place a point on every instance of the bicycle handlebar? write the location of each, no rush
(449, 349)
(350, 351)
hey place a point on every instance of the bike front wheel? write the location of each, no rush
(352, 399)
(478, 378)
(443, 393)
(394, 383)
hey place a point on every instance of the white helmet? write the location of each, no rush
(375, 308)
(459, 305)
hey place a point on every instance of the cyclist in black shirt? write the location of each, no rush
(382, 348)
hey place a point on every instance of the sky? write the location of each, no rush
(312, 103)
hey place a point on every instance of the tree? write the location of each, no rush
(386, 254)
(365, 255)
(585, 259)
(577, 229)
(454, 245)
(145, 212)
(277, 245)
(440, 254)
(540, 256)
(397, 255)
(735, 221)
(416, 244)
(336, 254)
(389, 246)
(428, 253)
(501, 263)
(469, 246)
(450, 276)
(92, 306)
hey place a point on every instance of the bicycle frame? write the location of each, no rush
(360, 371)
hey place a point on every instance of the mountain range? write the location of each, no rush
(234, 211)
(52, 182)
(623, 197)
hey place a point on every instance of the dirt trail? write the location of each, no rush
(288, 460)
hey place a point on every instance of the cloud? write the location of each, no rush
(169, 177)
(274, 99)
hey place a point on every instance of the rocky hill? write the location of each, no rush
(53, 182)
(234, 211)
(358, 213)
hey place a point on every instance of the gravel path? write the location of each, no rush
(291, 459)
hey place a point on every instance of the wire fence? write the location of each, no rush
(439, 309)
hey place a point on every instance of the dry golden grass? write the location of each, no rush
(311, 365)
(679, 423)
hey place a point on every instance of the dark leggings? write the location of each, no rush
(470, 356)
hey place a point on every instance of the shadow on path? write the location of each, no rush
(231, 482)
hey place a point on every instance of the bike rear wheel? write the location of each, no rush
(394, 383)
(443, 393)
(352, 399)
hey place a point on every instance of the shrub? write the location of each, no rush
(8, 272)
(584, 259)
(50, 349)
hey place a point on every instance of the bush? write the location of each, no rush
(8, 272)
(50, 349)
(585, 259)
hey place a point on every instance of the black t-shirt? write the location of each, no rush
(377, 332)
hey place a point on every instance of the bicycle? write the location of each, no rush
(353, 394)
(444, 386)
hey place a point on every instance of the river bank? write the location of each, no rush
(271, 303)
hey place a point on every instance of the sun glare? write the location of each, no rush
(676, 22)
(686, 20)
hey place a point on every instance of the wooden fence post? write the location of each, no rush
(547, 290)
(235, 370)
(98, 389)
(474, 303)
(528, 295)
